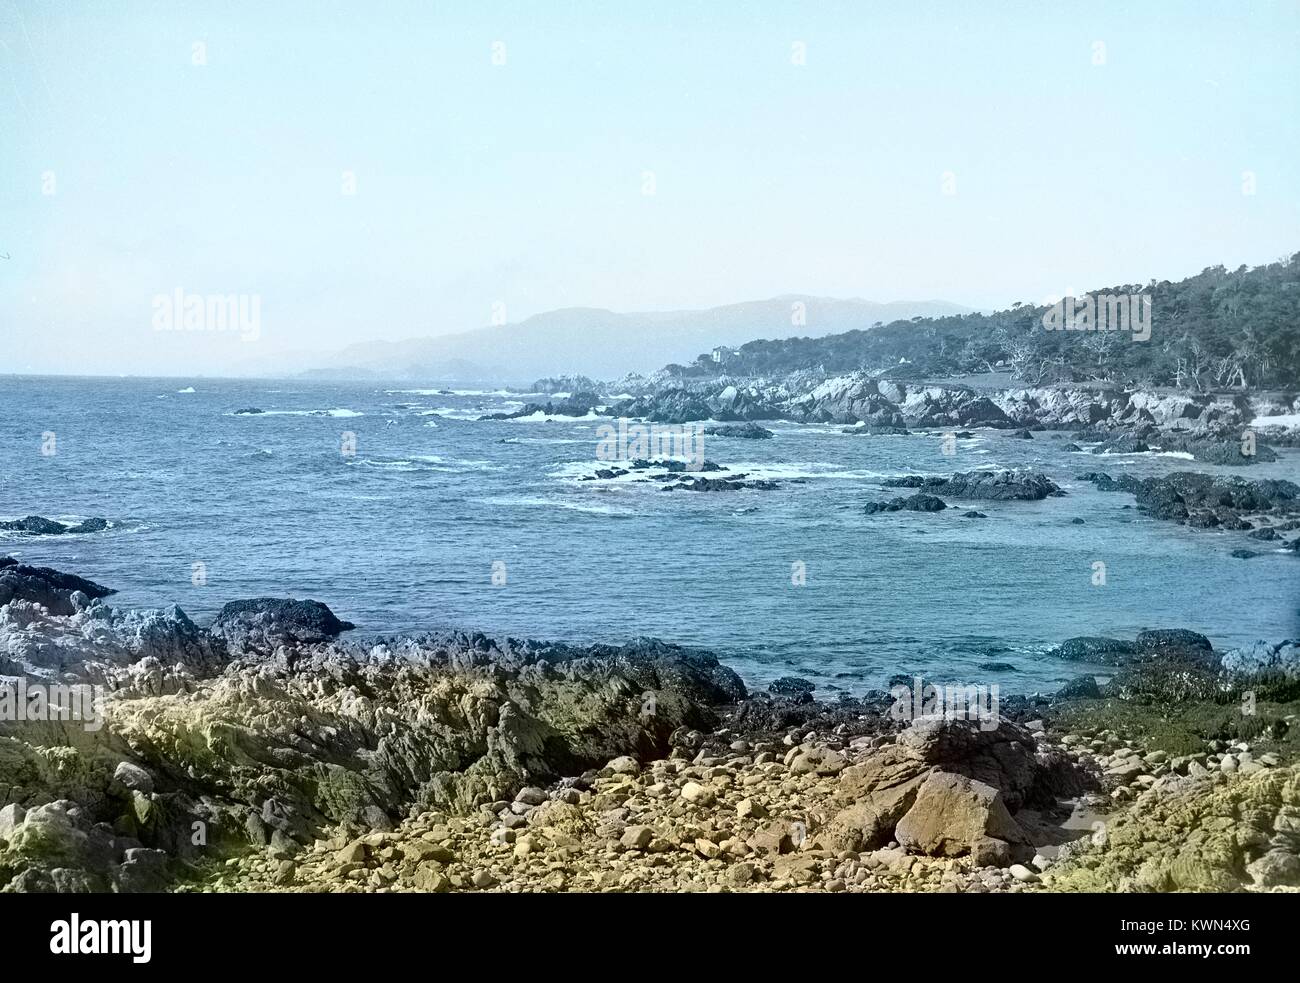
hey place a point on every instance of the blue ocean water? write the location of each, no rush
(404, 535)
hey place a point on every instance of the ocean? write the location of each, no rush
(440, 520)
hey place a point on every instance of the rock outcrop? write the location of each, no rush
(997, 486)
(261, 732)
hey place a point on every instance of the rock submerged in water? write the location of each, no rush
(1208, 501)
(999, 486)
(747, 431)
(736, 483)
(577, 405)
(36, 525)
(914, 503)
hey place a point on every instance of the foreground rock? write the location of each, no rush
(263, 738)
(246, 757)
(1207, 831)
(41, 585)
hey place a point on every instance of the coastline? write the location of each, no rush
(268, 753)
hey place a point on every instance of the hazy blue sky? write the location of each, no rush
(522, 183)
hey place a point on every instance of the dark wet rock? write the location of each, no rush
(1245, 554)
(673, 466)
(973, 515)
(1169, 676)
(998, 486)
(1096, 649)
(1172, 639)
(1076, 521)
(1206, 501)
(577, 405)
(265, 623)
(49, 588)
(1071, 447)
(1079, 688)
(1104, 482)
(877, 430)
(1123, 444)
(35, 525)
(997, 667)
(1023, 435)
(791, 686)
(915, 503)
(249, 411)
(1223, 447)
(1266, 534)
(747, 431)
(722, 485)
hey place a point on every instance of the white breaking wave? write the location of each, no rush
(187, 389)
(546, 440)
(452, 413)
(538, 501)
(1280, 420)
(540, 417)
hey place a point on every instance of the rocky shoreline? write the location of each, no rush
(267, 752)
(1209, 426)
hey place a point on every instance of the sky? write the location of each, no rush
(389, 170)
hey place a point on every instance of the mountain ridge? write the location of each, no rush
(561, 341)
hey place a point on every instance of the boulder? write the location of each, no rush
(49, 588)
(998, 486)
(1079, 688)
(875, 794)
(1172, 639)
(746, 431)
(265, 623)
(1263, 657)
(952, 814)
(1001, 756)
(1096, 649)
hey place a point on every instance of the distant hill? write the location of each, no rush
(1220, 329)
(607, 344)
